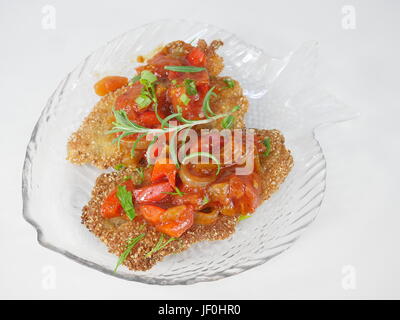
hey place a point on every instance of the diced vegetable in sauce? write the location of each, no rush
(109, 84)
(176, 84)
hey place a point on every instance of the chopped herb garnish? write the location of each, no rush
(228, 122)
(160, 245)
(131, 243)
(134, 79)
(184, 68)
(135, 143)
(203, 154)
(125, 198)
(267, 144)
(126, 178)
(206, 103)
(205, 201)
(143, 101)
(173, 82)
(244, 217)
(119, 167)
(149, 148)
(176, 193)
(125, 127)
(185, 99)
(148, 76)
(190, 86)
(140, 172)
(229, 83)
(148, 96)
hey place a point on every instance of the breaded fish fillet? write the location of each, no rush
(116, 233)
(91, 144)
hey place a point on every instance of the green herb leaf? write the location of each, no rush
(267, 144)
(131, 243)
(228, 122)
(125, 198)
(173, 148)
(119, 167)
(176, 193)
(205, 201)
(203, 154)
(190, 86)
(148, 80)
(160, 245)
(235, 108)
(206, 103)
(229, 83)
(185, 99)
(184, 68)
(244, 217)
(126, 127)
(140, 172)
(126, 178)
(142, 226)
(143, 101)
(164, 122)
(148, 76)
(140, 137)
(134, 79)
(149, 148)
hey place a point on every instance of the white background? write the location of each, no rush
(359, 222)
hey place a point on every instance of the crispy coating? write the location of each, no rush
(91, 144)
(277, 165)
(116, 232)
(214, 62)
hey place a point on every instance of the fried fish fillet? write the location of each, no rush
(91, 144)
(116, 232)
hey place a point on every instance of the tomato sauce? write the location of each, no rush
(169, 87)
(173, 206)
(169, 198)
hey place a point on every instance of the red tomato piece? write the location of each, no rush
(158, 62)
(126, 101)
(153, 193)
(194, 199)
(148, 119)
(151, 213)
(245, 193)
(190, 111)
(111, 207)
(196, 57)
(202, 89)
(163, 169)
(176, 220)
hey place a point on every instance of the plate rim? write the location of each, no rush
(27, 173)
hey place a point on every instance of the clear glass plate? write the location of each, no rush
(283, 94)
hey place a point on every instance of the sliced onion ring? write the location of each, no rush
(204, 218)
(193, 180)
